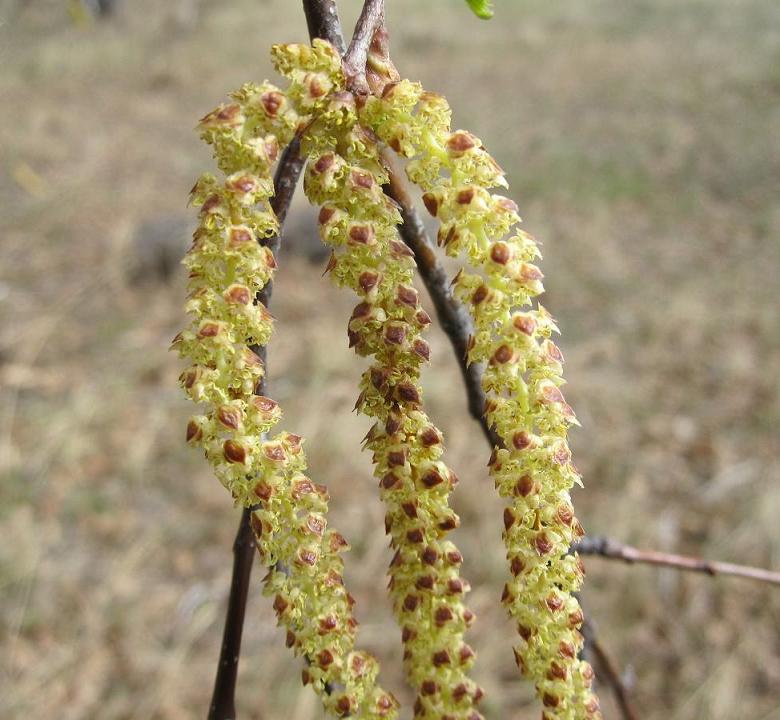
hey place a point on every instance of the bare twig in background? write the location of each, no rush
(223, 705)
(612, 549)
(608, 670)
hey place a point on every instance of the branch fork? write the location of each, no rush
(367, 65)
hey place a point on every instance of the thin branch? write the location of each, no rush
(287, 173)
(322, 19)
(354, 60)
(453, 317)
(285, 181)
(614, 550)
(223, 704)
(609, 671)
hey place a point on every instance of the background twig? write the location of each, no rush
(608, 671)
(614, 550)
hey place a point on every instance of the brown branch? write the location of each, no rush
(453, 317)
(614, 550)
(609, 671)
(354, 61)
(322, 19)
(285, 180)
(223, 705)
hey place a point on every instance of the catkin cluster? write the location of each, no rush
(228, 267)
(342, 136)
(522, 378)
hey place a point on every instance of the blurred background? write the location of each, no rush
(642, 143)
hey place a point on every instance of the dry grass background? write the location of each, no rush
(642, 140)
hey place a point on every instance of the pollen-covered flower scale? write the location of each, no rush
(522, 379)
(359, 222)
(228, 267)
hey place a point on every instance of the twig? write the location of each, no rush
(608, 670)
(287, 173)
(223, 705)
(322, 19)
(614, 550)
(354, 60)
(453, 317)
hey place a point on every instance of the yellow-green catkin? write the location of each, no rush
(523, 374)
(228, 267)
(344, 176)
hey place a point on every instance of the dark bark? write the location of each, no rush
(322, 19)
(223, 706)
(452, 316)
(371, 17)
